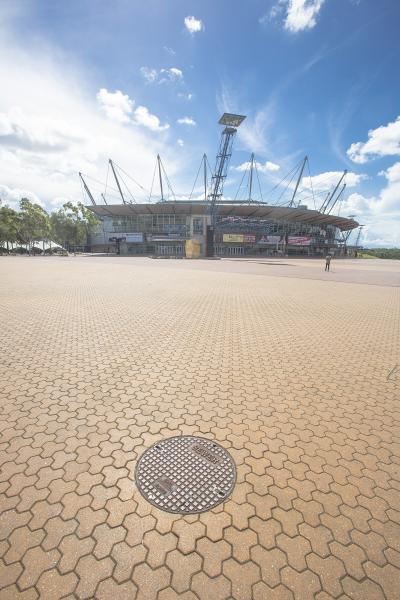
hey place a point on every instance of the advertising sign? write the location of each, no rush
(249, 237)
(269, 239)
(127, 237)
(233, 237)
(134, 237)
(168, 237)
(299, 241)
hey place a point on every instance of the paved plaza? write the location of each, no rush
(296, 372)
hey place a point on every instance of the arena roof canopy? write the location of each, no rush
(226, 209)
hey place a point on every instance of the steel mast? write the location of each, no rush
(251, 175)
(160, 177)
(89, 193)
(298, 180)
(336, 199)
(205, 177)
(117, 180)
(329, 197)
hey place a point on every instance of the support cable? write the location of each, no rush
(312, 187)
(101, 183)
(129, 191)
(130, 177)
(240, 185)
(195, 181)
(105, 188)
(152, 183)
(285, 190)
(259, 183)
(168, 182)
(283, 179)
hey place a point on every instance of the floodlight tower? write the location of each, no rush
(359, 235)
(231, 123)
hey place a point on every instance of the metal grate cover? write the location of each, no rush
(185, 474)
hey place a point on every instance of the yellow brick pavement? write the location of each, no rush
(296, 374)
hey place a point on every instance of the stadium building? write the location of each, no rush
(217, 227)
(174, 228)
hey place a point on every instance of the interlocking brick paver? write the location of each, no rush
(270, 562)
(110, 589)
(217, 587)
(91, 571)
(188, 534)
(158, 547)
(72, 549)
(53, 586)
(56, 529)
(35, 562)
(285, 367)
(183, 568)
(280, 592)
(303, 585)
(20, 540)
(13, 593)
(360, 590)
(150, 581)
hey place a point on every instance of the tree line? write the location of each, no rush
(383, 252)
(69, 226)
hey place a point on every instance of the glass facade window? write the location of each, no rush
(198, 225)
(177, 224)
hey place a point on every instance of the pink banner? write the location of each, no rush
(299, 241)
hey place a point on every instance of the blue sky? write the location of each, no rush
(87, 80)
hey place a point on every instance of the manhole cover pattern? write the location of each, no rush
(185, 474)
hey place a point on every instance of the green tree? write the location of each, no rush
(72, 224)
(392, 253)
(9, 226)
(34, 223)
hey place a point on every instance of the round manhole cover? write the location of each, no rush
(185, 474)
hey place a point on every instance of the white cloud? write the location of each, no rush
(299, 14)
(193, 25)
(266, 167)
(57, 129)
(18, 129)
(186, 121)
(142, 116)
(173, 74)
(116, 105)
(275, 11)
(149, 74)
(187, 96)
(180, 142)
(170, 51)
(270, 166)
(380, 213)
(11, 196)
(252, 133)
(382, 141)
(329, 179)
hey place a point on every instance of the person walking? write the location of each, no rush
(328, 262)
